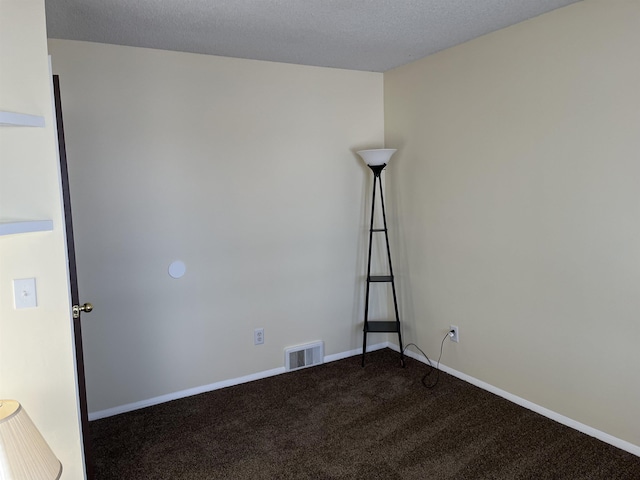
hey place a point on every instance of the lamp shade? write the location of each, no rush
(377, 156)
(24, 454)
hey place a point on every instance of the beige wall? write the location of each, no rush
(516, 197)
(36, 349)
(245, 171)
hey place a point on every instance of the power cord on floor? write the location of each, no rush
(432, 368)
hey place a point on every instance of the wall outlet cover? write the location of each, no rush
(258, 336)
(456, 334)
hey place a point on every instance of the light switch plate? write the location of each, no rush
(24, 291)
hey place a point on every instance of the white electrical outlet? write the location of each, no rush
(258, 336)
(454, 334)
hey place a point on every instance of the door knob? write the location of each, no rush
(87, 307)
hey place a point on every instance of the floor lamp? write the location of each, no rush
(377, 160)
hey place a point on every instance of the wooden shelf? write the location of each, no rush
(11, 227)
(12, 119)
(381, 326)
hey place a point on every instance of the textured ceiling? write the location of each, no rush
(373, 35)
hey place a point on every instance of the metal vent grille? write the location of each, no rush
(303, 356)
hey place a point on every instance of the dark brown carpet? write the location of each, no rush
(341, 421)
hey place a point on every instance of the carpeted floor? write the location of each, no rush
(341, 421)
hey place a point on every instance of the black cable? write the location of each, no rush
(418, 348)
(437, 368)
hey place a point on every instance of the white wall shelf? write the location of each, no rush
(12, 119)
(11, 227)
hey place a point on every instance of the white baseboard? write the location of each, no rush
(581, 427)
(129, 407)
(352, 353)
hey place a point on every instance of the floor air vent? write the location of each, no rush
(302, 356)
